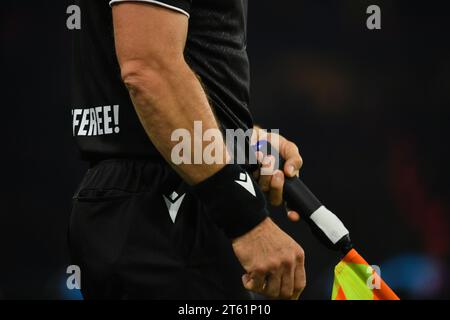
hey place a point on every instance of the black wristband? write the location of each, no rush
(233, 200)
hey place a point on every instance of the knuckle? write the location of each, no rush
(273, 266)
(288, 261)
(292, 146)
(260, 269)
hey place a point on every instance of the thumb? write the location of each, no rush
(293, 216)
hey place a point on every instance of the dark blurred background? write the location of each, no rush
(369, 110)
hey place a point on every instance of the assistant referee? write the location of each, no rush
(141, 226)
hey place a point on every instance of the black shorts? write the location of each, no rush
(123, 237)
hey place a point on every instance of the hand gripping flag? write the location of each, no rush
(354, 278)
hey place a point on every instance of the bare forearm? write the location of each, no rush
(166, 94)
(169, 98)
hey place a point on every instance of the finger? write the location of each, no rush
(293, 216)
(299, 279)
(259, 158)
(266, 172)
(294, 161)
(287, 282)
(273, 286)
(276, 188)
(254, 281)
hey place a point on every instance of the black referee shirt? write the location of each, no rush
(105, 124)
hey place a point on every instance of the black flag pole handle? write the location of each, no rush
(326, 226)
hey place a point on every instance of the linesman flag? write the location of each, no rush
(354, 279)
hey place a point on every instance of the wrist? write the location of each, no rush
(258, 230)
(233, 200)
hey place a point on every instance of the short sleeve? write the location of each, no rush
(182, 6)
